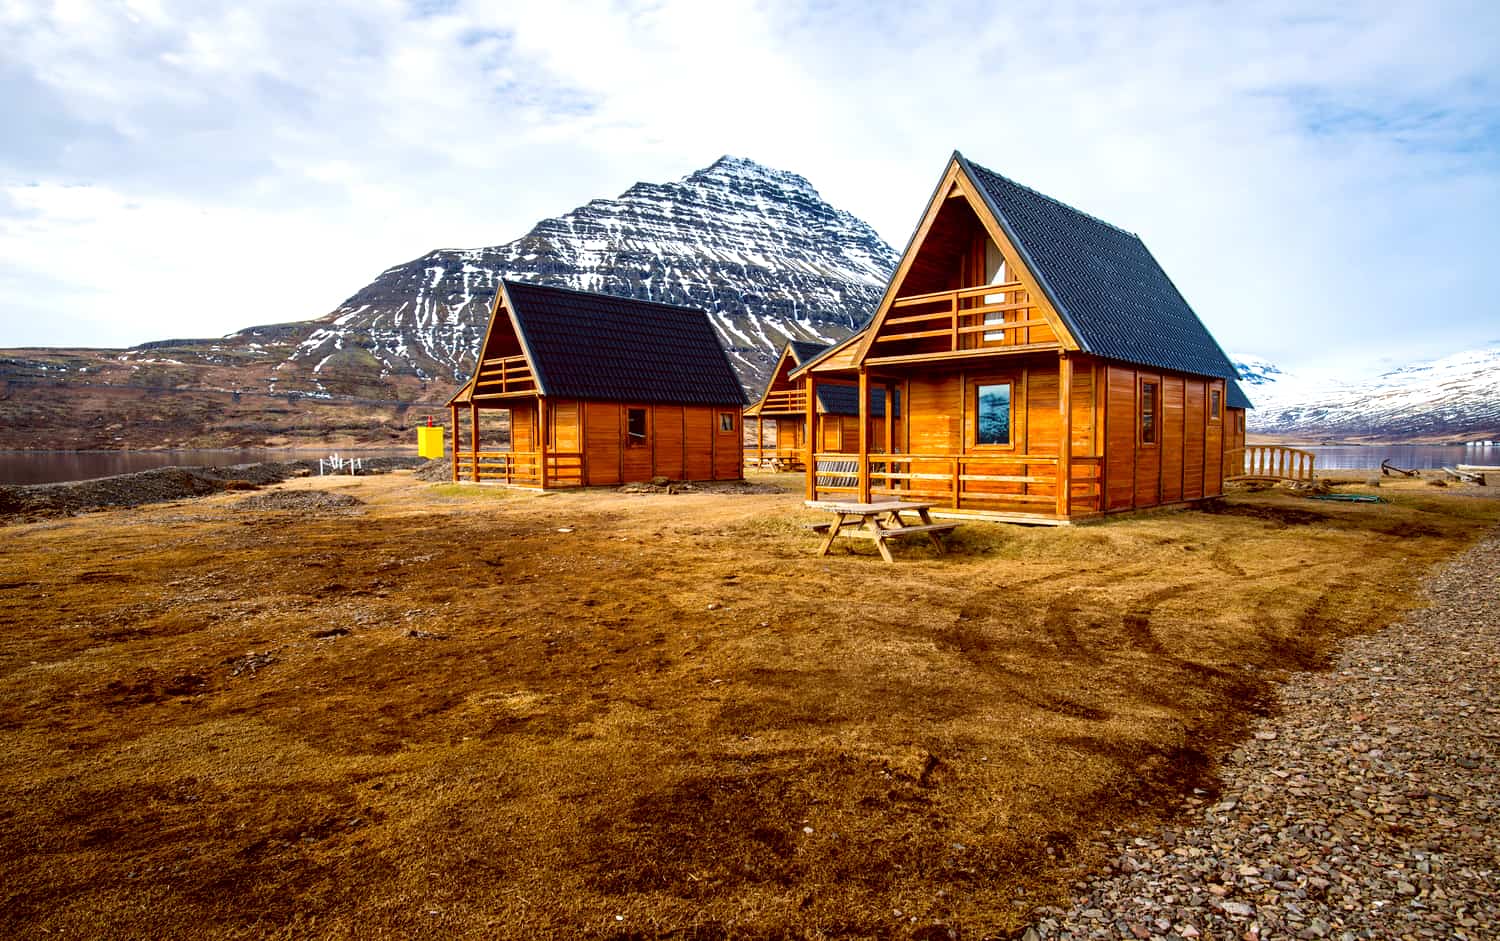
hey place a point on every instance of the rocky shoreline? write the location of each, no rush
(1368, 806)
(27, 502)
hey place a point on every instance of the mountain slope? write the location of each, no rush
(757, 248)
(1455, 397)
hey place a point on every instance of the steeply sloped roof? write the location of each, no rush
(596, 346)
(1109, 290)
(803, 351)
(844, 400)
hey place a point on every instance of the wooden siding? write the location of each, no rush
(729, 458)
(602, 446)
(1173, 429)
(667, 438)
(698, 433)
(1187, 461)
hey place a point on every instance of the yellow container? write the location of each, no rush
(430, 442)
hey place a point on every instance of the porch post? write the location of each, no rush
(453, 413)
(760, 440)
(890, 419)
(1065, 442)
(810, 433)
(864, 435)
(474, 438)
(541, 440)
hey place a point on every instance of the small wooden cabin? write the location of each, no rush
(834, 413)
(1049, 368)
(597, 390)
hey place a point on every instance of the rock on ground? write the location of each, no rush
(1369, 807)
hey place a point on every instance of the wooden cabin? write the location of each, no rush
(1050, 369)
(833, 414)
(589, 390)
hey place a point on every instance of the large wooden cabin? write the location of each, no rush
(833, 414)
(1049, 368)
(598, 390)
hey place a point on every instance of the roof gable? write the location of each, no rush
(597, 346)
(1105, 284)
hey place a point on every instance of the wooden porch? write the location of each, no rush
(1020, 487)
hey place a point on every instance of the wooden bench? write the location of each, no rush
(880, 523)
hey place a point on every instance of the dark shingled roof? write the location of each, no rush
(595, 346)
(802, 352)
(1107, 287)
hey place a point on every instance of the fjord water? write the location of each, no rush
(1406, 456)
(42, 467)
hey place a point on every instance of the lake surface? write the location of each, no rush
(1406, 456)
(43, 467)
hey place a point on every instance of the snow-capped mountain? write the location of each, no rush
(757, 248)
(1457, 396)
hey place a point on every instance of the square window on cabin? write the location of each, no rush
(726, 422)
(992, 414)
(1214, 401)
(1148, 412)
(635, 427)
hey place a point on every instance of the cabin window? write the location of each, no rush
(635, 428)
(1239, 422)
(992, 414)
(726, 422)
(1150, 408)
(1215, 399)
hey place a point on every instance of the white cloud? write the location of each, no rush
(1319, 183)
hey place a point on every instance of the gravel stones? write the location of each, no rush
(302, 501)
(1369, 807)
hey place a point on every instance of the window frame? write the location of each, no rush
(975, 385)
(633, 440)
(1215, 404)
(729, 416)
(1140, 411)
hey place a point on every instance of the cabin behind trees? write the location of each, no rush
(1049, 368)
(598, 390)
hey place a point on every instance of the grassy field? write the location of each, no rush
(438, 714)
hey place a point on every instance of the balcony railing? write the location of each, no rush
(991, 316)
(965, 481)
(785, 400)
(504, 375)
(520, 468)
(1269, 462)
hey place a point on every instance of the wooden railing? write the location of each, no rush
(521, 468)
(952, 316)
(964, 480)
(785, 400)
(504, 375)
(1269, 462)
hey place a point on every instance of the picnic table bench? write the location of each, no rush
(879, 522)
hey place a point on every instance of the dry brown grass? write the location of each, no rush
(671, 721)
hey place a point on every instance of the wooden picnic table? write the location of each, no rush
(879, 522)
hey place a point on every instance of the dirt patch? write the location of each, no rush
(442, 715)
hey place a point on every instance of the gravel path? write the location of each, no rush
(1369, 807)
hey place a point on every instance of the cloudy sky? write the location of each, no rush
(1322, 184)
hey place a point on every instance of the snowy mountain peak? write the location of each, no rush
(1454, 396)
(1255, 371)
(755, 247)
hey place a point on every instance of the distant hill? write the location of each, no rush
(756, 247)
(1454, 398)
